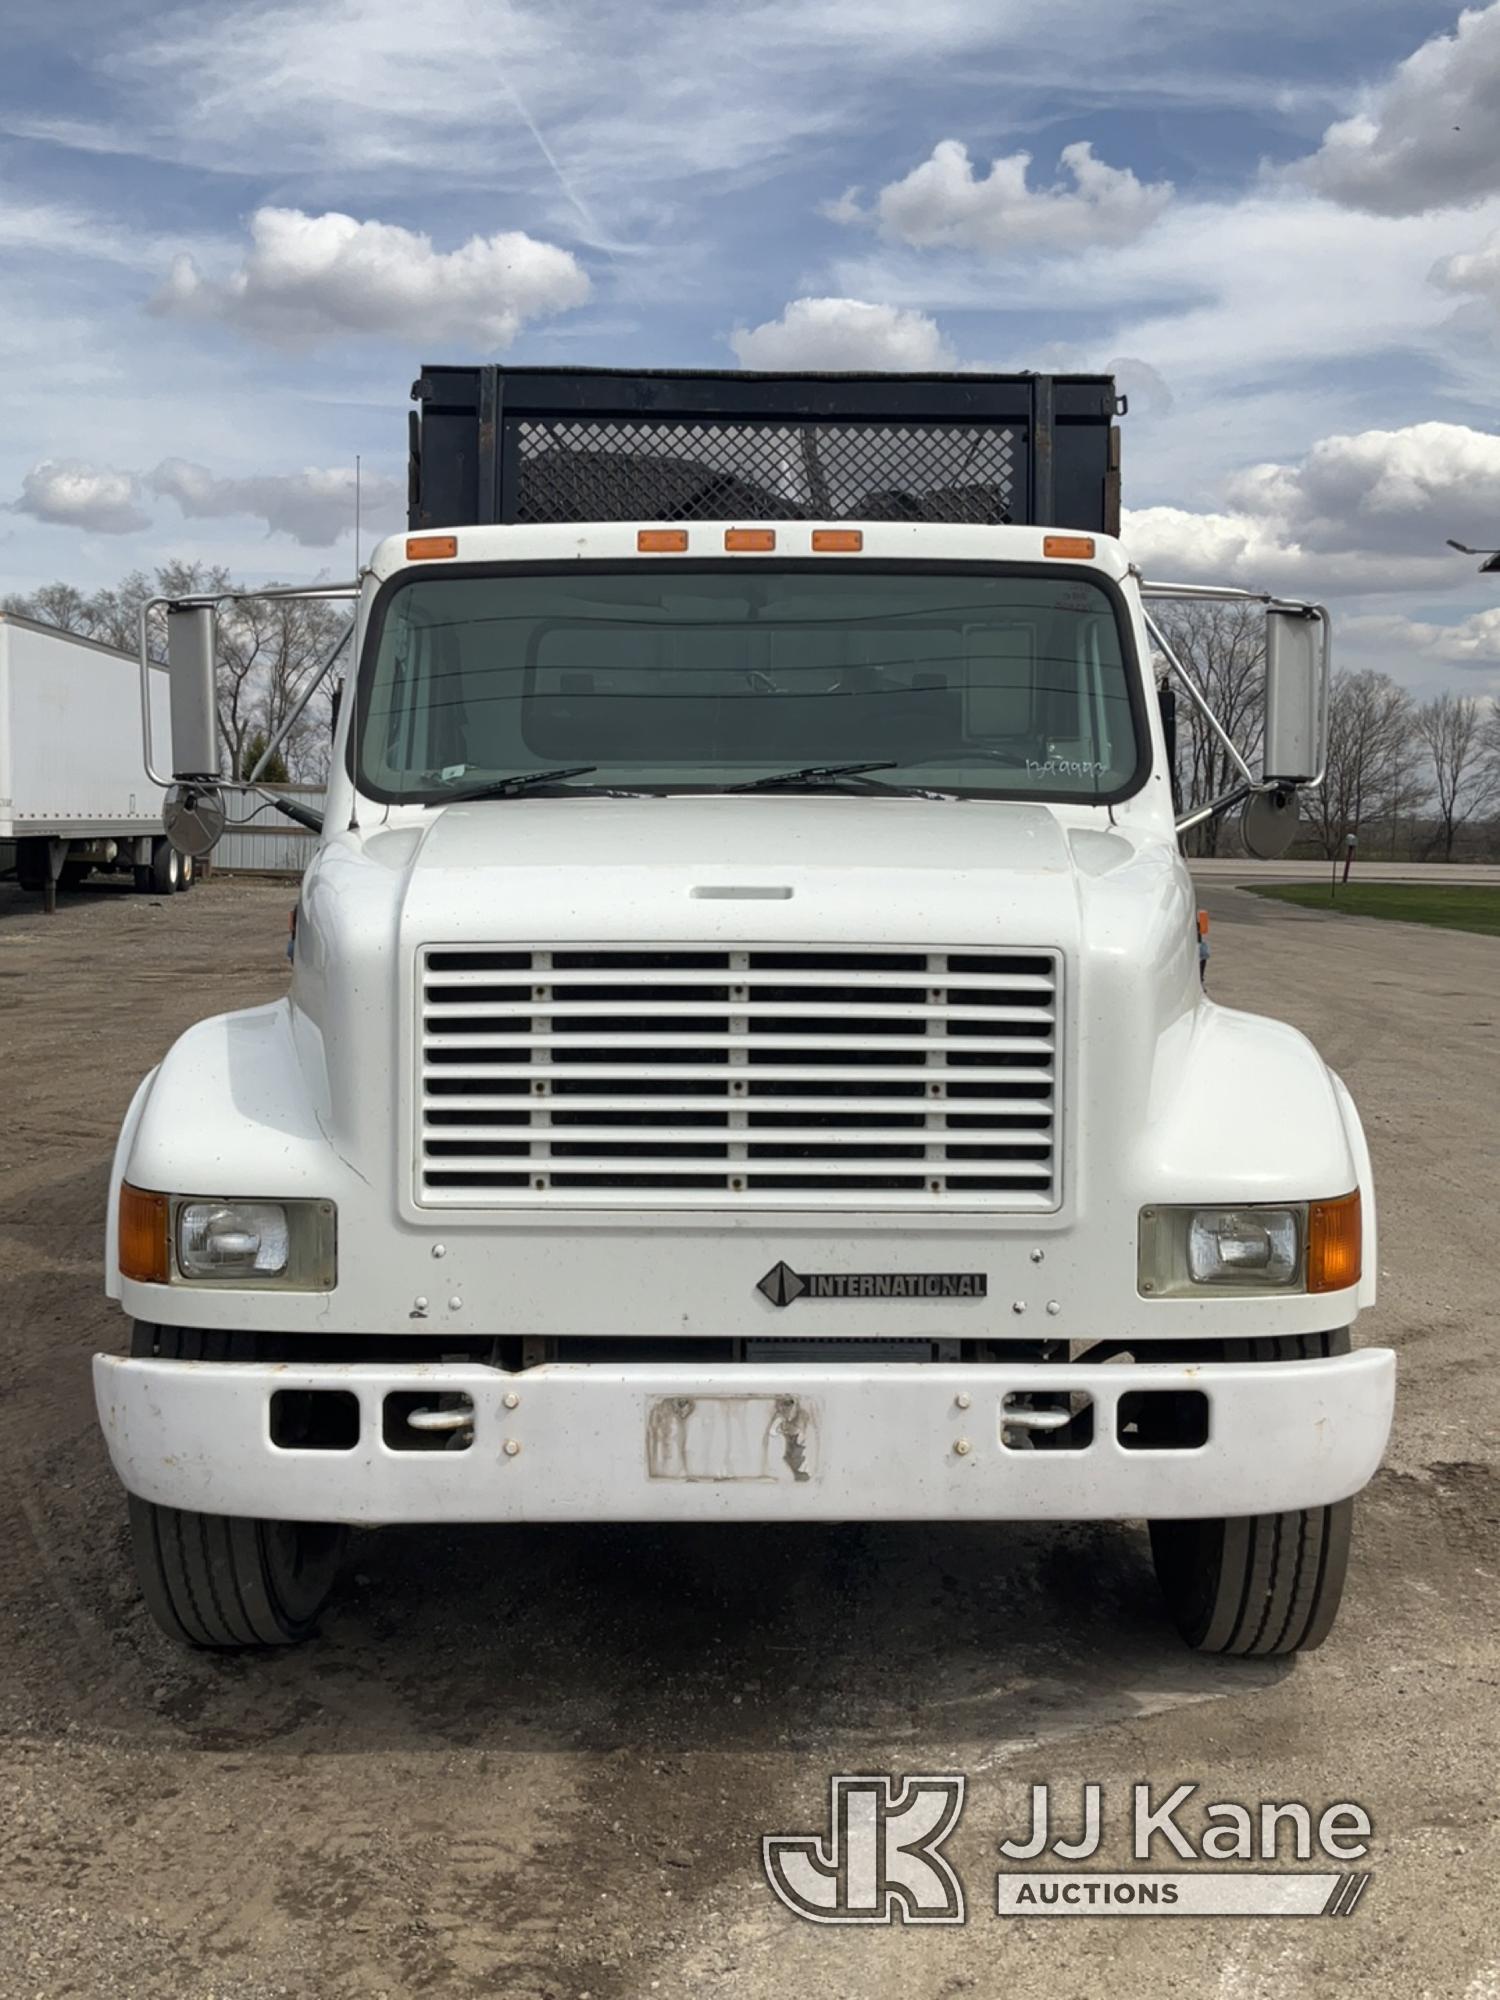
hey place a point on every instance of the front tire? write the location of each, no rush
(1263, 1584)
(1259, 1584)
(219, 1580)
(216, 1581)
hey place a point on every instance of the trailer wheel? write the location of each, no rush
(166, 868)
(217, 1580)
(189, 873)
(1260, 1583)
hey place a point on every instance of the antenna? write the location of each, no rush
(356, 514)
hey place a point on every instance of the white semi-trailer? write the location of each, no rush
(745, 1057)
(75, 796)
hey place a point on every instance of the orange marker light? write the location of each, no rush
(761, 540)
(1071, 548)
(428, 548)
(1335, 1244)
(661, 541)
(838, 541)
(143, 1236)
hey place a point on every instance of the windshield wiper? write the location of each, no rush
(812, 775)
(507, 788)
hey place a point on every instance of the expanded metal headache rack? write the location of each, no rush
(601, 444)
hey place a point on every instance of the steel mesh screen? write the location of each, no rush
(635, 469)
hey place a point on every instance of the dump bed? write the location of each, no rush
(601, 444)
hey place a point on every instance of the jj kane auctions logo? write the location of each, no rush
(882, 1861)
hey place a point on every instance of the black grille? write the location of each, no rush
(640, 469)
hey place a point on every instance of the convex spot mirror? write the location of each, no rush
(1269, 824)
(1296, 695)
(191, 662)
(193, 816)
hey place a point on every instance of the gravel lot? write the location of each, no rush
(538, 1762)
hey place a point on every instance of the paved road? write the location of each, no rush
(1462, 874)
(538, 1763)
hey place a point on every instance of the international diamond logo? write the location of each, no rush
(782, 1285)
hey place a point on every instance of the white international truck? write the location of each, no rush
(74, 794)
(745, 1058)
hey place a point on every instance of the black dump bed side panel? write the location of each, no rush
(602, 444)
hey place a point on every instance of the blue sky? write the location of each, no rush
(231, 234)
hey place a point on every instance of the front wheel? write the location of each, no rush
(1257, 1584)
(217, 1581)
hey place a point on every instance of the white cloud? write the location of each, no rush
(309, 278)
(1426, 137)
(1401, 491)
(69, 494)
(1218, 291)
(1476, 272)
(315, 507)
(843, 333)
(611, 123)
(1176, 545)
(1471, 642)
(944, 203)
(1366, 514)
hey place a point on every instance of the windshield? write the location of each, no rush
(660, 677)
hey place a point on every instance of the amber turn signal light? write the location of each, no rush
(1335, 1244)
(1073, 548)
(143, 1236)
(661, 541)
(838, 541)
(428, 548)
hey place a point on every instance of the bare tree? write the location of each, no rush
(112, 616)
(1374, 760)
(299, 634)
(56, 604)
(1465, 781)
(1490, 755)
(1224, 647)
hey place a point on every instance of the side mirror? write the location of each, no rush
(1296, 695)
(192, 682)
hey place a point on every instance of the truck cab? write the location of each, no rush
(745, 1057)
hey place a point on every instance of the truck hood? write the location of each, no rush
(834, 869)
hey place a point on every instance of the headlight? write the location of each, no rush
(1227, 1246)
(285, 1245)
(216, 1239)
(1184, 1250)
(1288, 1247)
